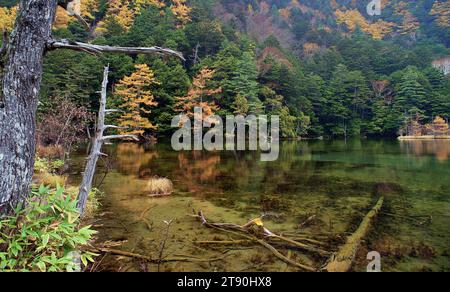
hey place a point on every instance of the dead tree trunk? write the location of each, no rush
(21, 81)
(96, 150)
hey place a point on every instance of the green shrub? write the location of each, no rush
(44, 235)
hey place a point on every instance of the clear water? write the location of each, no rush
(337, 182)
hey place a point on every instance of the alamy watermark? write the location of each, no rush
(230, 136)
(374, 7)
(374, 265)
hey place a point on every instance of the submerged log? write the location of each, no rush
(246, 232)
(342, 261)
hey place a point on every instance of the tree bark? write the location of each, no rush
(20, 79)
(22, 74)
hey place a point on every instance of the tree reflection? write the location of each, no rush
(439, 148)
(134, 159)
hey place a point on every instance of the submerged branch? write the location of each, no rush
(150, 259)
(245, 233)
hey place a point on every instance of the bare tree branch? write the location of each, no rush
(112, 137)
(110, 111)
(113, 127)
(97, 49)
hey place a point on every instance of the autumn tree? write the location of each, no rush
(353, 19)
(200, 95)
(181, 11)
(441, 12)
(7, 16)
(136, 93)
(21, 70)
(119, 13)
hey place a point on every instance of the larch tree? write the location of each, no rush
(200, 95)
(7, 16)
(136, 93)
(21, 64)
(181, 11)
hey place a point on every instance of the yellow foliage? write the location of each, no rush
(89, 8)
(135, 91)
(140, 5)
(120, 12)
(181, 11)
(7, 17)
(200, 95)
(310, 48)
(441, 11)
(353, 19)
(410, 23)
(62, 19)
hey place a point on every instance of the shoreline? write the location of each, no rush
(406, 138)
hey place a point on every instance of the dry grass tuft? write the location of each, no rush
(158, 187)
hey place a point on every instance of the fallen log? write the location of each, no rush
(342, 261)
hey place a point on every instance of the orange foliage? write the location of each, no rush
(181, 11)
(62, 19)
(410, 23)
(441, 11)
(7, 17)
(353, 19)
(310, 49)
(135, 91)
(200, 95)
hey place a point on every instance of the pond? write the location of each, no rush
(316, 189)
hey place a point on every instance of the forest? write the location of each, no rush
(326, 68)
(365, 80)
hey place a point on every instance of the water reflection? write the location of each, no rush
(134, 159)
(334, 180)
(438, 148)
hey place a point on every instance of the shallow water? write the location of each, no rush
(337, 182)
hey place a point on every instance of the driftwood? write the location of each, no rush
(98, 141)
(247, 231)
(342, 261)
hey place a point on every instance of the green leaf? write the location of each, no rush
(45, 239)
(42, 267)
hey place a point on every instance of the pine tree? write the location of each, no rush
(410, 93)
(244, 82)
(136, 93)
(240, 105)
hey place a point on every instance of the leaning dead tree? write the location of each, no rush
(21, 60)
(98, 140)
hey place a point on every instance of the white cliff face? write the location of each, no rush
(442, 64)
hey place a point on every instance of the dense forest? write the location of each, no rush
(325, 67)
